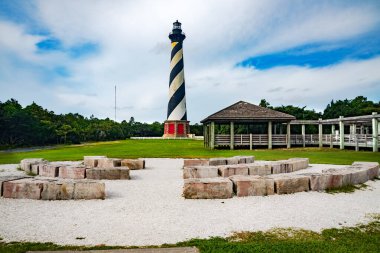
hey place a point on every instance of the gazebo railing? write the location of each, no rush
(361, 140)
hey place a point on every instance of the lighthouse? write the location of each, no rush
(176, 124)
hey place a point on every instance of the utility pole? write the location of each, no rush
(115, 103)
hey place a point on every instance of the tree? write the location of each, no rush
(264, 103)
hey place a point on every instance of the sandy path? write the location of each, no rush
(149, 210)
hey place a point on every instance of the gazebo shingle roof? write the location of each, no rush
(244, 111)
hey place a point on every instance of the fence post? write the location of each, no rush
(341, 132)
(356, 143)
(232, 135)
(212, 139)
(270, 135)
(375, 133)
(320, 140)
(288, 144)
(250, 141)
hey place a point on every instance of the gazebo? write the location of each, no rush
(259, 126)
(259, 122)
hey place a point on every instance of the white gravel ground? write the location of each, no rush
(149, 210)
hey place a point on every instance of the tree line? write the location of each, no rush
(34, 125)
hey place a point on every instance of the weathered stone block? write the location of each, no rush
(92, 161)
(200, 172)
(300, 163)
(207, 188)
(324, 181)
(231, 170)
(252, 186)
(110, 173)
(249, 159)
(35, 168)
(8, 178)
(371, 167)
(259, 169)
(133, 164)
(232, 161)
(72, 172)
(277, 167)
(195, 162)
(89, 190)
(217, 161)
(26, 164)
(285, 184)
(27, 188)
(345, 173)
(58, 190)
(49, 170)
(109, 162)
(358, 174)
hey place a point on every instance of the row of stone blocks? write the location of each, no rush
(258, 168)
(221, 188)
(50, 189)
(95, 167)
(218, 161)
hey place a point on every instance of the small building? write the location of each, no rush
(247, 125)
(260, 123)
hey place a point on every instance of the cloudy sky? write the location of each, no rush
(67, 56)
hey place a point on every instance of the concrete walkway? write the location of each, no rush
(147, 250)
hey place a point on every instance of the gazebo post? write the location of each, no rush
(212, 139)
(320, 133)
(232, 135)
(332, 136)
(303, 135)
(288, 144)
(375, 133)
(269, 134)
(341, 132)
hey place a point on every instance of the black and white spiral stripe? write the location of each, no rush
(177, 99)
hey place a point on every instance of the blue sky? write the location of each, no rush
(68, 55)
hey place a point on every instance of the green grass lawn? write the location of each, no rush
(184, 149)
(361, 238)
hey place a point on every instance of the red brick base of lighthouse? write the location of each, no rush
(176, 128)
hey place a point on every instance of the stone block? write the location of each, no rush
(249, 159)
(358, 174)
(371, 167)
(245, 159)
(195, 162)
(277, 167)
(252, 186)
(92, 161)
(324, 181)
(110, 173)
(72, 172)
(49, 170)
(232, 161)
(27, 188)
(86, 189)
(108, 163)
(259, 169)
(200, 172)
(217, 161)
(26, 164)
(286, 184)
(207, 188)
(301, 163)
(35, 168)
(58, 190)
(133, 164)
(345, 173)
(4, 179)
(231, 170)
